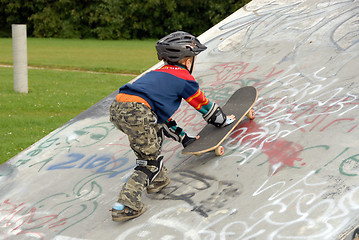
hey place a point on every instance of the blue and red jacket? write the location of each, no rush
(164, 88)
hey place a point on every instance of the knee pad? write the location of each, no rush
(141, 166)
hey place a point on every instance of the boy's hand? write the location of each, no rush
(230, 119)
(186, 140)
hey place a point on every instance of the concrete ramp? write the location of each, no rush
(292, 173)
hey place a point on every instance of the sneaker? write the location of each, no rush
(122, 213)
(155, 187)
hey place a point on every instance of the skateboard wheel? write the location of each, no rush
(219, 151)
(251, 114)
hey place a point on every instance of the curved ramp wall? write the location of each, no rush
(292, 173)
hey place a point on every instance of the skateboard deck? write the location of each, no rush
(351, 235)
(240, 104)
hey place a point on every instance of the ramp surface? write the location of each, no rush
(292, 173)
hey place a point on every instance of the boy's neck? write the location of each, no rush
(177, 65)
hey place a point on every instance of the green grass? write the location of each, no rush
(55, 96)
(121, 56)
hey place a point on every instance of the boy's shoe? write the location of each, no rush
(122, 213)
(155, 187)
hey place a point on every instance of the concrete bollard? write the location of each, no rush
(19, 47)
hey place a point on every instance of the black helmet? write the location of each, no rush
(178, 45)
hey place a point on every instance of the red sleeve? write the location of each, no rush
(198, 100)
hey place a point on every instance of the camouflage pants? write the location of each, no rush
(139, 123)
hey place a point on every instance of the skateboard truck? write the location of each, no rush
(220, 149)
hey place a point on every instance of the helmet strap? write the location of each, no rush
(192, 65)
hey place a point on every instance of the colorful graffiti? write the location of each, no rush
(290, 174)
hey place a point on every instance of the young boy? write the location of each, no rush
(143, 110)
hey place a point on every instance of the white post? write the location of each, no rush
(19, 47)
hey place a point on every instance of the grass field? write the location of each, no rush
(119, 56)
(55, 96)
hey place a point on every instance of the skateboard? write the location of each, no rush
(351, 235)
(240, 104)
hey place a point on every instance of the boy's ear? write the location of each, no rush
(189, 60)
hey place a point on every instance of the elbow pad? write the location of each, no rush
(215, 116)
